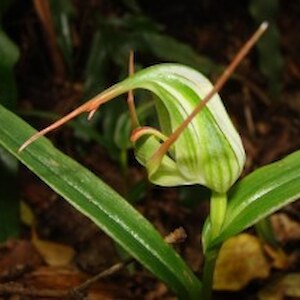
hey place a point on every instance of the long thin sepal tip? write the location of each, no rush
(28, 142)
(264, 25)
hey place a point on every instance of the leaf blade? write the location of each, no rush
(260, 194)
(101, 204)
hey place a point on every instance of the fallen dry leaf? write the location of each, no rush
(59, 278)
(279, 259)
(26, 213)
(240, 260)
(286, 286)
(66, 278)
(16, 256)
(54, 254)
(286, 229)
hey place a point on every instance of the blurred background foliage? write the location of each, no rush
(78, 48)
(270, 56)
(9, 197)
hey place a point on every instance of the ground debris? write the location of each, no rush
(241, 260)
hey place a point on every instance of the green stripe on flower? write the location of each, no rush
(209, 151)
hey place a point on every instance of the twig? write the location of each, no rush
(108, 272)
(248, 113)
(17, 289)
(44, 14)
(174, 237)
(177, 236)
(77, 292)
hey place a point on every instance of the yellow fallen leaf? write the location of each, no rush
(285, 228)
(27, 216)
(54, 254)
(241, 259)
(286, 286)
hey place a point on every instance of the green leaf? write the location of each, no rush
(160, 44)
(96, 65)
(9, 55)
(258, 195)
(101, 204)
(62, 12)
(123, 126)
(9, 197)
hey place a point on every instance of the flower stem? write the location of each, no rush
(218, 205)
(208, 273)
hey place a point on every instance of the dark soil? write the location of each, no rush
(270, 129)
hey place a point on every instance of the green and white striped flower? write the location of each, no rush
(208, 152)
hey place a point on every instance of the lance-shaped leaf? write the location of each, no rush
(101, 204)
(258, 195)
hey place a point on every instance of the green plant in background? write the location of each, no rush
(9, 55)
(63, 12)
(115, 37)
(172, 156)
(270, 56)
(9, 198)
